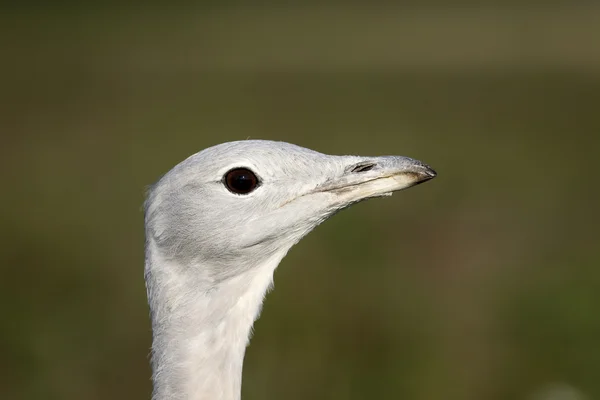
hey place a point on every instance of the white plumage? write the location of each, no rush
(217, 226)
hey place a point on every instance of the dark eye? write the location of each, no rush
(241, 181)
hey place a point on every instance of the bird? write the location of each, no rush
(217, 225)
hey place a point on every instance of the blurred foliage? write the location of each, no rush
(483, 284)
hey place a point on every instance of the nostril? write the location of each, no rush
(363, 167)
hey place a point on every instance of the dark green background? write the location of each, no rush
(482, 284)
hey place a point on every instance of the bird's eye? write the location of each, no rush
(241, 181)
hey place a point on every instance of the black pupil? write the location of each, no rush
(241, 180)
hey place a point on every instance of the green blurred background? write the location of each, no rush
(482, 284)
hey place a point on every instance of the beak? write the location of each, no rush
(377, 176)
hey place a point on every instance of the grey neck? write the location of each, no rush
(201, 330)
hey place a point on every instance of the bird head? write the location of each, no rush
(251, 200)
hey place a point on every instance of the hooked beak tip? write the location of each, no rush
(429, 173)
(422, 174)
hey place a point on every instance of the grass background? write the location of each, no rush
(482, 284)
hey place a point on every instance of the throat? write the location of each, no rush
(200, 331)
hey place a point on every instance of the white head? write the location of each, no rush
(217, 225)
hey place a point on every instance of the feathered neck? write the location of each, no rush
(201, 329)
